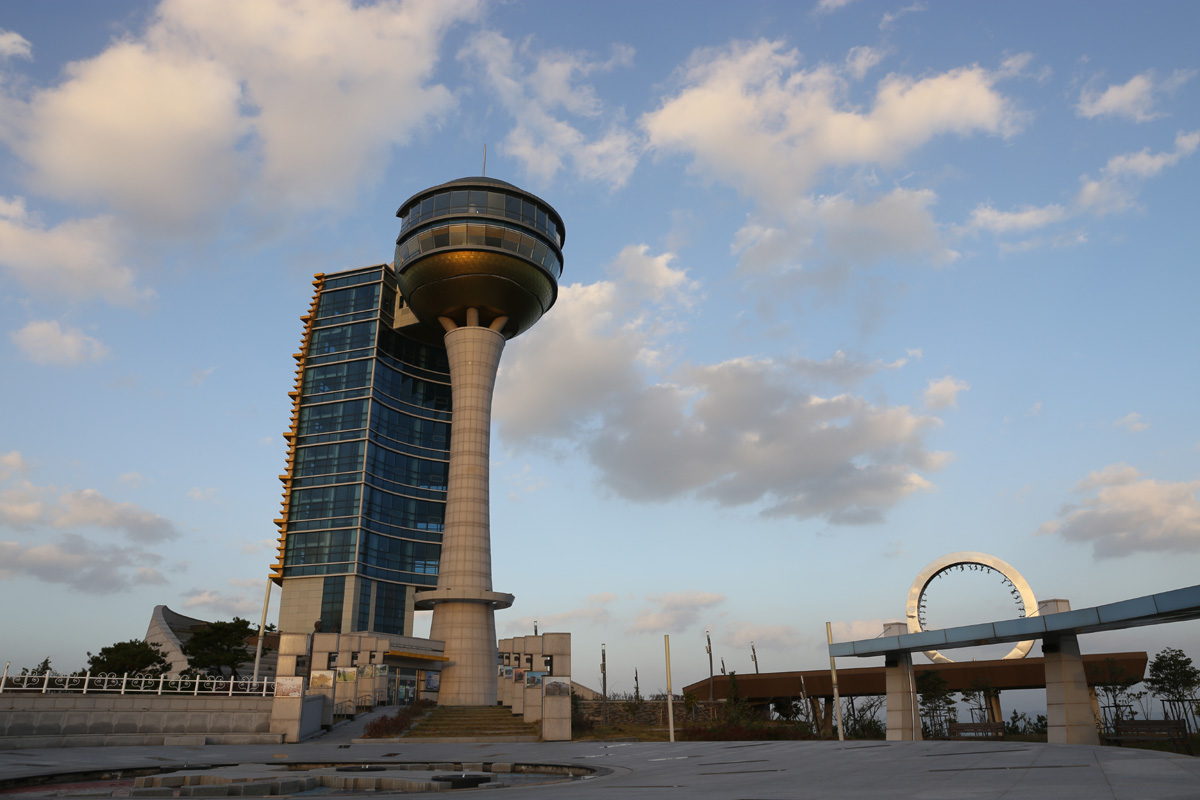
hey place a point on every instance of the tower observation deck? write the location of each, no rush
(477, 263)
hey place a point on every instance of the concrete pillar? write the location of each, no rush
(463, 603)
(903, 720)
(994, 713)
(1069, 715)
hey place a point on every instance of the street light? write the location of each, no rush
(708, 649)
(604, 683)
(754, 658)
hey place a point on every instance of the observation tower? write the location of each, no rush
(477, 263)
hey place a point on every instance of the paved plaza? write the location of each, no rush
(696, 770)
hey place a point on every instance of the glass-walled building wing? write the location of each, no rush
(365, 488)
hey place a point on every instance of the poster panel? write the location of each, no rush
(289, 686)
(556, 686)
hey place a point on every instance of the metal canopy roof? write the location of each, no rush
(1151, 609)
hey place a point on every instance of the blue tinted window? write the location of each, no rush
(332, 598)
(348, 301)
(327, 458)
(403, 468)
(407, 512)
(329, 417)
(324, 501)
(337, 377)
(389, 608)
(342, 337)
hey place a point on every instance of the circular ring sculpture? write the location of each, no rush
(1020, 590)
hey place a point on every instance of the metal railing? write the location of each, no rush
(132, 683)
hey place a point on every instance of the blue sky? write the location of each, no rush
(848, 286)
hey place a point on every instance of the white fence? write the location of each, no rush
(110, 683)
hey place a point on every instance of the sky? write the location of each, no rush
(848, 286)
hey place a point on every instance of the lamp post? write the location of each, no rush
(604, 684)
(708, 649)
(754, 658)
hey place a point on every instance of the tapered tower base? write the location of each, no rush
(463, 603)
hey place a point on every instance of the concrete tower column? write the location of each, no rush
(1069, 715)
(464, 604)
(903, 719)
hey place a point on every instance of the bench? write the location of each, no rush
(976, 730)
(1150, 730)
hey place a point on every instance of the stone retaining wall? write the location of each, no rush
(650, 712)
(49, 720)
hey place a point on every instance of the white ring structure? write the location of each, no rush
(947, 562)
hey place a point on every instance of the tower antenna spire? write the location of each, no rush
(484, 173)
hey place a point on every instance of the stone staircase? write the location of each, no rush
(473, 724)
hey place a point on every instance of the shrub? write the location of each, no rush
(389, 727)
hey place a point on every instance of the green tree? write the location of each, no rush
(690, 701)
(936, 704)
(736, 710)
(135, 656)
(1174, 680)
(786, 708)
(1114, 692)
(40, 669)
(1172, 675)
(219, 648)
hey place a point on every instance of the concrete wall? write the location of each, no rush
(63, 720)
(651, 712)
(298, 718)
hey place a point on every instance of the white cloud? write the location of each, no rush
(78, 258)
(748, 114)
(828, 6)
(26, 505)
(600, 374)
(14, 45)
(1116, 187)
(1027, 218)
(844, 370)
(223, 604)
(203, 495)
(675, 611)
(80, 564)
(256, 547)
(653, 276)
(219, 97)
(1133, 99)
(12, 463)
(1112, 191)
(199, 376)
(594, 614)
(1132, 422)
(1128, 514)
(777, 637)
(544, 142)
(943, 392)
(89, 508)
(889, 18)
(47, 342)
(860, 60)
(838, 234)
(133, 479)
(857, 629)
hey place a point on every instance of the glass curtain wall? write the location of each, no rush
(368, 478)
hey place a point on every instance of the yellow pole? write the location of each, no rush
(837, 703)
(670, 708)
